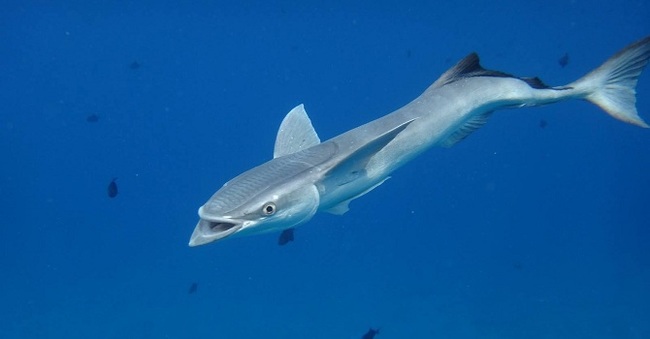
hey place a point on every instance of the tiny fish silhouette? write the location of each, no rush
(543, 123)
(370, 334)
(193, 288)
(134, 65)
(92, 118)
(285, 237)
(112, 189)
(564, 60)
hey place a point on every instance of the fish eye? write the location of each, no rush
(268, 209)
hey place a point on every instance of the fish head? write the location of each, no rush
(241, 208)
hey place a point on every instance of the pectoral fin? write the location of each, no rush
(295, 134)
(355, 164)
(345, 175)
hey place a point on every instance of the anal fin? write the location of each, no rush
(470, 126)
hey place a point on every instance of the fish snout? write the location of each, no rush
(207, 231)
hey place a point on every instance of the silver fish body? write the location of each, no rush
(306, 175)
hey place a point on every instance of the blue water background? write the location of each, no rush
(517, 232)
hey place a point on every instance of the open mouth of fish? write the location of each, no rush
(211, 229)
(220, 227)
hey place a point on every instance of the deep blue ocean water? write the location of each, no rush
(519, 231)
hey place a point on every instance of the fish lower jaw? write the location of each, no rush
(207, 231)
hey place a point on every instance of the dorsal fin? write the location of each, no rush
(535, 82)
(295, 134)
(469, 66)
(467, 129)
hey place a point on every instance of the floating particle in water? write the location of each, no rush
(135, 65)
(564, 60)
(543, 123)
(370, 334)
(193, 288)
(112, 189)
(92, 117)
(285, 237)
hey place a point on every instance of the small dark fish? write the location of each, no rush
(134, 65)
(408, 53)
(285, 237)
(543, 123)
(370, 334)
(518, 265)
(92, 118)
(193, 288)
(564, 60)
(112, 189)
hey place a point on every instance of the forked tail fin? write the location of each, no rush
(612, 86)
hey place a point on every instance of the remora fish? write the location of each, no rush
(306, 176)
